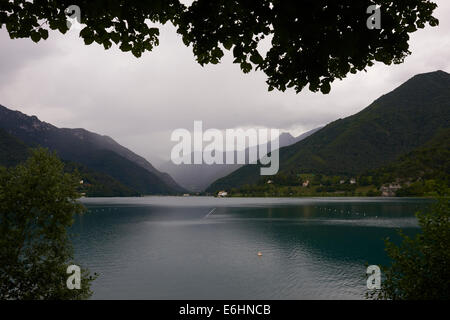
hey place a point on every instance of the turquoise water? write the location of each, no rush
(206, 248)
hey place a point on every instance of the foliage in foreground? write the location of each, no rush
(310, 45)
(421, 266)
(37, 205)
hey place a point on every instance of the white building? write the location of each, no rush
(390, 190)
(221, 194)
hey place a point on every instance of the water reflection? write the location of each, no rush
(311, 248)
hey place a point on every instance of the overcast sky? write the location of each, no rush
(139, 102)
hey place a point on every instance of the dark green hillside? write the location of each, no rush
(394, 124)
(12, 150)
(98, 153)
(426, 165)
(421, 172)
(128, 173)
(96, 184)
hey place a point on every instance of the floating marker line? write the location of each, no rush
(209, 213)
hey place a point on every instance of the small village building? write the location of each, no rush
(221, 194)
(390, 189)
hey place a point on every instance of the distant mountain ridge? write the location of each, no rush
(198, 177)
(394, 124)
(99, 153)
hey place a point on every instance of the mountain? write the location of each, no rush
(97, 184)
(105, 142)
(430, 161)
(302, 136)
(98, 153)
(394, 124)
(198, 177)
(12, 150)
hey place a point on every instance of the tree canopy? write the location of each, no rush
(310, 42)
(37, 206)
(420, 265)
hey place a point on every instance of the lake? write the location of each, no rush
(207, 248)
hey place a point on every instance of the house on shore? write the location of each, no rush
(222, 194)
(390, 189)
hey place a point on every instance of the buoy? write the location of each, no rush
(259, 254)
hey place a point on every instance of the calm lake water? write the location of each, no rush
(206, 248)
